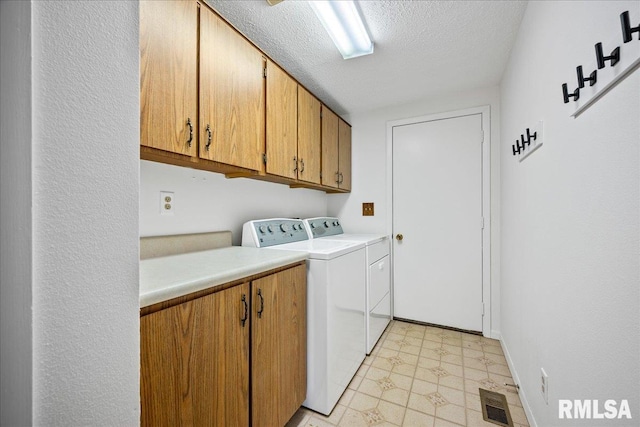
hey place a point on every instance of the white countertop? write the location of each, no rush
(164, 278)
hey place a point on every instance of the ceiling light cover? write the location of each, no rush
(343, 23)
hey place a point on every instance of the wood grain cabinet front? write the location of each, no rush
(210, 99)
(195, 364)
(282, 125)
(309, 137)
(168, 75)
(344, 155)
(336, 151)
(232, 99)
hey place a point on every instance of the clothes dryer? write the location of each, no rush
(378, 272)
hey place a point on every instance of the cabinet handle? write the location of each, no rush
(246, 310)
(337, 177)
(208, 130)
(301, 165)
(261, 303)
(295, 164)
(190, 131)
(341, 180)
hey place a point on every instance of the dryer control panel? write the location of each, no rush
(275, 231)
(323, 226)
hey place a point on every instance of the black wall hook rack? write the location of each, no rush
(622, 61)
(614, 57)
(627, 30)
(582, 79)
(565, 93)
(529, 143)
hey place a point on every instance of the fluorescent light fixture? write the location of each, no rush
(344, 24)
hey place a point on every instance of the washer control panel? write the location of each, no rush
(324, 226)
(275, 231)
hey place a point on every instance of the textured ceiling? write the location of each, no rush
(422, 48)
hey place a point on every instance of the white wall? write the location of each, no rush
(369, 168)
(570, 217)
(85, 213)
(15, 216)
(206, 201)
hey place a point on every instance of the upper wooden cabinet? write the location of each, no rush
(168, 75)
(232, 100)
(210, 99)
(344, 155)
(282, 126)
(330, 174)
(336, 151)
(309, 133)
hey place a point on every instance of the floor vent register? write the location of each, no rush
(495, 408)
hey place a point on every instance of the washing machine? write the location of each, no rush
(378, 272)
(336, 280)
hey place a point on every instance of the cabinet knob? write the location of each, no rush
(295, 164)
(399, 237)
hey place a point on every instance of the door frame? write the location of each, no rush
(485, 112)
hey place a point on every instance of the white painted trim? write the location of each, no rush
(516, 380)
(485, 111)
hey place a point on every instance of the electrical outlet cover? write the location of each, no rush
(167, 203)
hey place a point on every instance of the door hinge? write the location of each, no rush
(482, 222)
(320, 113)
(264, 158)
(483, 309)
(264, 73)
(481, 136)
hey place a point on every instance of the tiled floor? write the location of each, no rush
(422, 376)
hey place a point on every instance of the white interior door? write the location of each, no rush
(437, 208)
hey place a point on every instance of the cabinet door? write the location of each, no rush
(232, 107)
(168, 73)
(309, 142)
(329, 148)
(282, 125)
(195, 362)
(344, 155)
(279, 343)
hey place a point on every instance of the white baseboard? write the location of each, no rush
(516, 380)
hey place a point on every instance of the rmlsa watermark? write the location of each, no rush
(591, 409)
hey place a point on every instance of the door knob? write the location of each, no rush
(399, 237)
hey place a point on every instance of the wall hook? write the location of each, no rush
(575, 95)
(517, 148)
(627, 31)
(582, 79)
(614, 57)
(529, 136)
(526, 142)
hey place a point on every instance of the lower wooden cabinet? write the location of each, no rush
(236, 357)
